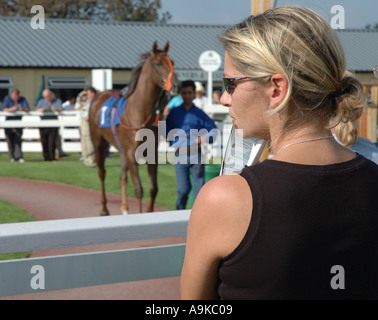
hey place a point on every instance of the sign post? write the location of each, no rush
(102, 79)
(210, 61)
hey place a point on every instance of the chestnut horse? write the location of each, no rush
(152, 83)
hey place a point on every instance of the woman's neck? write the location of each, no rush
(312, 146)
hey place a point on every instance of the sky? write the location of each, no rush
(358, 13)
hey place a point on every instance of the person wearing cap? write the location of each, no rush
(83, 103)
(200, 100)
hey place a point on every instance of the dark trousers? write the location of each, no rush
(48, 140)
(13, 137)
(58, 144)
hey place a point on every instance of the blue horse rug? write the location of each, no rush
(106, 111)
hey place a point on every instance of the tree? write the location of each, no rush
(119, 10)
(135, 10)
(370, 27)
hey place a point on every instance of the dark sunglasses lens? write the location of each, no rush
(227, 85)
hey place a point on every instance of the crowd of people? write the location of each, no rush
(51, 140)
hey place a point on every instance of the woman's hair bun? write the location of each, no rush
(350, 105)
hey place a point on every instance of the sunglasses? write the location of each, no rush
(229, 83)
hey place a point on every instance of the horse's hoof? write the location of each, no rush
(104, 213)
(125, 212)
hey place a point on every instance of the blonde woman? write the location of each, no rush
(303, 224)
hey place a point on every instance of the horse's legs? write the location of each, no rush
(100, 154)
(152, 176)
(123, 181)
(133, 168)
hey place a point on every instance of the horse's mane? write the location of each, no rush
(136, 73)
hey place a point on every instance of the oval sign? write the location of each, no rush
(210, 61)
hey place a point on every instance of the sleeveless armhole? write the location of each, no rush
(247, 240)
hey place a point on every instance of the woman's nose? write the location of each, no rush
(225, 99)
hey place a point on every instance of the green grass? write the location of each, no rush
(70, 170)
(10, 213)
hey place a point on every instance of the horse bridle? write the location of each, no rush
(167, 86)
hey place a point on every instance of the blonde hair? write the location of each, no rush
(298, 43)
(346, 128)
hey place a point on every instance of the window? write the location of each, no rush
(65, 87)
(119, 85)
(67, 82)
(6, 84)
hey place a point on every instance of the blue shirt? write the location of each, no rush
(185, 126)
(57, 103)
(366, 148)
(8, 103)
(175, 102)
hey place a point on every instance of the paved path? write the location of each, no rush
(47, 200)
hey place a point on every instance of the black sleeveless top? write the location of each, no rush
(313, 234)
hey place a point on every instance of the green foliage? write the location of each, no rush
(100, 10)
(135, 10)
(371, 27)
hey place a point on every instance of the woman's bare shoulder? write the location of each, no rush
(223, 211)
(230, 184)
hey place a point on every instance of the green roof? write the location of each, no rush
(117, 45)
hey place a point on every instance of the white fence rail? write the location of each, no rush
(89, 269)
(68, 123)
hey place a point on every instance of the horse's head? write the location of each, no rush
(164, 72)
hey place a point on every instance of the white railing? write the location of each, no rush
(88, 269)
(68, 123)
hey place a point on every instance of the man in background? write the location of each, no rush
(13, 103)
(83, 102)
(200, 99)
(48, 134)
(185, 120)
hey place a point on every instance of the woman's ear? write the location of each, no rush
(279, 88)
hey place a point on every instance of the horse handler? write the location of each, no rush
(186, 118)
